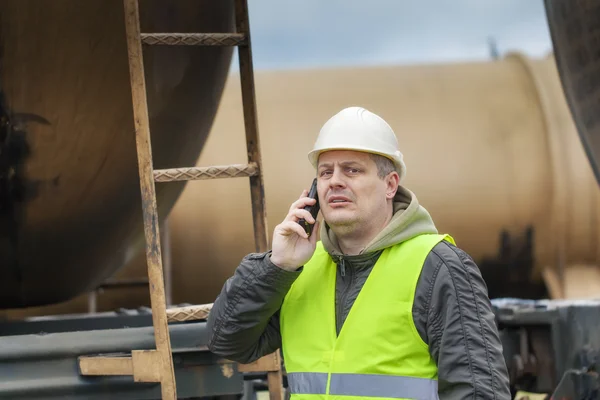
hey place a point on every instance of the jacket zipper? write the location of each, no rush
(340, 309)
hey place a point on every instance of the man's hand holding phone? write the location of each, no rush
(292, 246)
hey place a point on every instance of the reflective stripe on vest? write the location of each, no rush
(366, 385)
(378, 352)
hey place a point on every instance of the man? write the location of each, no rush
(382, 305)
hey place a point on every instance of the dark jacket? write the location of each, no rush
(452, 313)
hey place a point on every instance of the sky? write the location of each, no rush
(299, 34)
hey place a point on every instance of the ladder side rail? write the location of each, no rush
(274, 377)
(148, 193)
(257, 191)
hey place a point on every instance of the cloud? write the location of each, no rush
(326, 33)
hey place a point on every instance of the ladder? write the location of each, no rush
(156, 365)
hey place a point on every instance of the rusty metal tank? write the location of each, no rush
(491, 150)
(492, 153)
(70, 205)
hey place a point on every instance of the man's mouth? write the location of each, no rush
(338, 200)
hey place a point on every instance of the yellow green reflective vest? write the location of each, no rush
(378, 353)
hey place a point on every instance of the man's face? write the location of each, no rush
(351, 194)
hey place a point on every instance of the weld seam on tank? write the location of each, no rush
(559, 170)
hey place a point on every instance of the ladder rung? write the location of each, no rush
(189, 313)
(197, 173)
(194, 39)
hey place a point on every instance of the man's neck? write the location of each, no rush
(352, 246)
(353, 242)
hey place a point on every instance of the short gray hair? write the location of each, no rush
(384, 165)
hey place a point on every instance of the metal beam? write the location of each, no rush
(45, 366)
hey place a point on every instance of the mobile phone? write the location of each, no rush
(313, 210)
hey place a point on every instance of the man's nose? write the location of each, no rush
(337, 179)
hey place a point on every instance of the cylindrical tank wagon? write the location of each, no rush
(491, 152)
(70, 204)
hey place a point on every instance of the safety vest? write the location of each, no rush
(379, 352)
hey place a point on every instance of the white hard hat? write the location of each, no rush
(355, 128)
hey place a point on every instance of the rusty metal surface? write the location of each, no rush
(575, 31)
(214, 172)
(44, 365)
(71, 217)
(194, 39)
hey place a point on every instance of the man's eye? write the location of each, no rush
(325, 173)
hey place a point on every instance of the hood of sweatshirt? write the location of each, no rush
(409, 219)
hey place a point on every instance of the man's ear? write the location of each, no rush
(392, 181)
